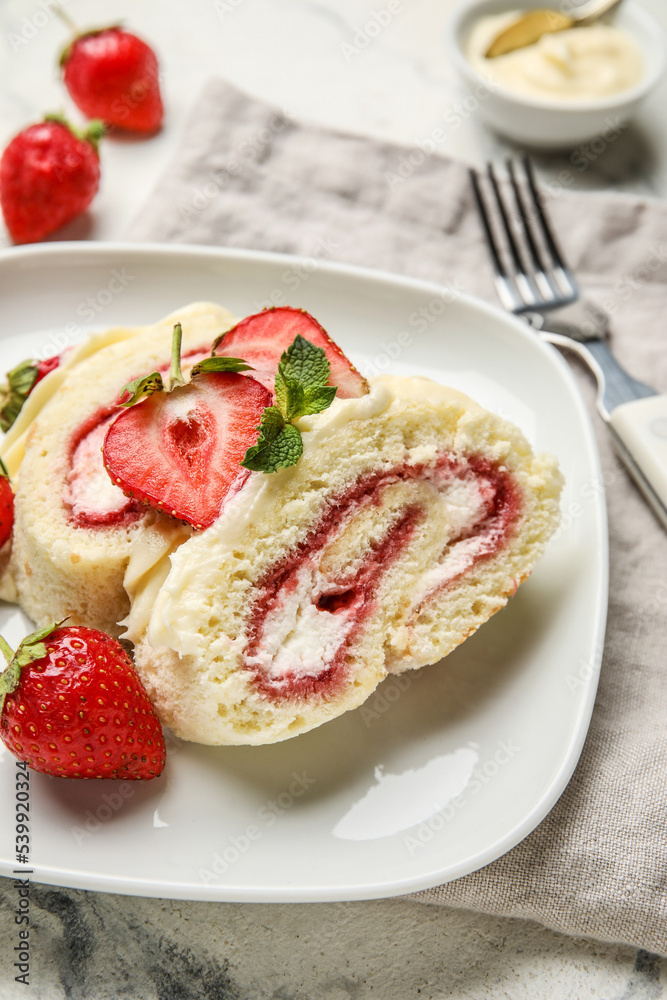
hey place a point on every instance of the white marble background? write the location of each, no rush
(90, 946)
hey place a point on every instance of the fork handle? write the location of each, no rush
(635, 415)
(640, 432)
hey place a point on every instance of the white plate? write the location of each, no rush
(439, 773)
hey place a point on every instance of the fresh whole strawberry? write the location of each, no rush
(180, 451)
(261, 340)
(6, 505)
(113, 75)
(49, 174)
(72, 704)
(21, 380)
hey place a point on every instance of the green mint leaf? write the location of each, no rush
(9, 410)
(301, 380)
(271, 424)
(139, 388)
(23, 377)
(290, 396)
(220, 365)
(285, 450)
(279, 444)
(301, 389)
(296, 401)
(303, 362)
(319, 398)
(281, 392)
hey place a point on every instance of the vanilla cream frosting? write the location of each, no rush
(578, 64)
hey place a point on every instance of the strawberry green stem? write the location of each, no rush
(78, 34)
(67, 20)
(96, 130)
(6, 650)
(92, 134)
(9, 678)
(32, 648)
(175, 373)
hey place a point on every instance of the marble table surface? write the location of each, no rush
(94, 946)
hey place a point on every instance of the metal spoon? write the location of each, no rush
(530, 27)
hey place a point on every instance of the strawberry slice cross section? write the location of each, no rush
(180, 451)
(261, 339)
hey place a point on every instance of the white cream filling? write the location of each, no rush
(88, 490)
(464, 503)
(157, 536)
(456, 560)
(299, 639)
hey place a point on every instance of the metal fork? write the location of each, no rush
(532, 279)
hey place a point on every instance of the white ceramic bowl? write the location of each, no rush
(549, 123)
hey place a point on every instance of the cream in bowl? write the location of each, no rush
(578, 64)
(568, 87)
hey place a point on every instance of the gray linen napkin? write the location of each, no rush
(246, 176)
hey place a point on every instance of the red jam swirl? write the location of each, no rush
(354, 597)
(91, 501)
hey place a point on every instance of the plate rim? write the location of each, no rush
(216, 892)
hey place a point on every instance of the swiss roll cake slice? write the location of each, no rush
(73, 527)
(411, 517)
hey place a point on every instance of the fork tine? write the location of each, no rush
(519, 263)
(535, 253)
(561, 272)
(525, 280)
(539, 208)
(484, 216)
(522, 280)
(548, 292)
(504, 288)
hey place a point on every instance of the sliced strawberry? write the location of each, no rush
(261, 340)
(6, 505)
(181, 451)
